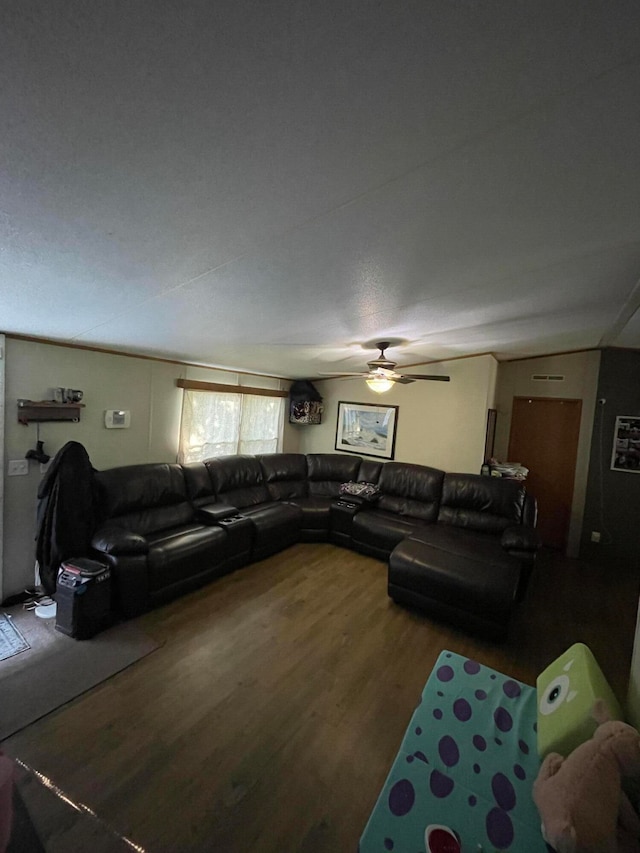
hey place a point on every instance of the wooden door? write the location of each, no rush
(544, 438)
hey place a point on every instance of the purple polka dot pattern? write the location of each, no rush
(462, 710)
(485, 768)
(499, 829)
(445, 673)
(479, 742)
(511, 689)
(448, 751)
(441, 785)
(503, 719)
(503, 791)
(401, 798)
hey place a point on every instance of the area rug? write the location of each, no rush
(11, 640)
(56, 668)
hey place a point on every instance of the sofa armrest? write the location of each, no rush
(213, 513)
(115, 540)
(520, 538)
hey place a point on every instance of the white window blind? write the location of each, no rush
(216, 423)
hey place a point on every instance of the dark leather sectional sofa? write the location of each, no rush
(459, 546)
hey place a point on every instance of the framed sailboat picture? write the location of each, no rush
(367, 429)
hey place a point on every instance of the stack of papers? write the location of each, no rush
(509, 469)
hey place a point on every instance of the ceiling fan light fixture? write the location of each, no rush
(379, 384)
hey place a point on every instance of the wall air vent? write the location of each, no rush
(547, 377)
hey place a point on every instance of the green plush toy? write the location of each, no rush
(567, 692)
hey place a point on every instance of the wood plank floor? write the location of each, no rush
(270, 716)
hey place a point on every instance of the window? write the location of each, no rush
(219, 423)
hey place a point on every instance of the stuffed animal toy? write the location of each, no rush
(580, 798)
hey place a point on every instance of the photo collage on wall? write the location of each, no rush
(626, 444)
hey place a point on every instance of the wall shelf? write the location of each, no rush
(47, 410)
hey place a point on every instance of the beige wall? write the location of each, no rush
(581, 381)
(439, 424)
(147, 388)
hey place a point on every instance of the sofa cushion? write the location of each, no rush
(112, 539)
(154, 519)
(369, 471)
(466, 582)
(134, 487)
(315, 512)
(198, 483)
(326, 472)
(285, 475)
(490, 504)
(144, 498)
(238, 480)
(410, 490)
(465, 543)
(377, 532)
(175, 553)
(276, 525)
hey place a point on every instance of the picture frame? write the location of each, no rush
(625, 455)
(367, 429)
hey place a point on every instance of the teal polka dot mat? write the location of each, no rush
(468, 761)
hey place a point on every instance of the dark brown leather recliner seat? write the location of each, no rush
(238, 481)
(326, 472)
(409, 499)
(472, 566)
(152, 537)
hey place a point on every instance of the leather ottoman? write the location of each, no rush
(473, 592)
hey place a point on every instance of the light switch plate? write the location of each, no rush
(18, 467)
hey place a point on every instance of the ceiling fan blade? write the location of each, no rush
(343, 373)
(433, 378)
(401, 380)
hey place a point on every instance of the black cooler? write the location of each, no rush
(83, 598)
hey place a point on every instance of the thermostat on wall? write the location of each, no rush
(117, 419)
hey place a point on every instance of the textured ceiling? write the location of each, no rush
(268, 186)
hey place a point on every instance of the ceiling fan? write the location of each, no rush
(382, 375)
